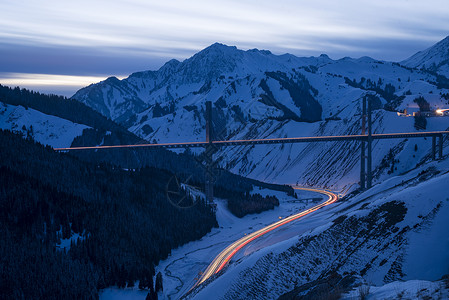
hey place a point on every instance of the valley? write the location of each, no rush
(110, 205)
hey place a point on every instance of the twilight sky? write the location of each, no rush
(59, 46)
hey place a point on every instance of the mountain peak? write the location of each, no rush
(112, 80)
(170, 65)
(264, 52)
(218, 45)
(216, 51)
(435, 58)
(214, 60)
(445, 40)
(218, 48)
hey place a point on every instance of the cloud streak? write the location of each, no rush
(47, 79)
(65, 85)
(119, 37)
(180, 24)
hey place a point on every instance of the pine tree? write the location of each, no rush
(158, 286)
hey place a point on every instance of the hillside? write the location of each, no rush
(257, 94)
(394, 232)
(52, 120)
(57, 121)
(46, 129)
(58, 106)
(87, 212)
(435, 58)
(115, 225)
(84, 217)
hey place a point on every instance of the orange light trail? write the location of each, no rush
(132, 146)
(226, 255)
(268, 141)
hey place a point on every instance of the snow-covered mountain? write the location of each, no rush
(217, 66)
(257, 94)
(57, 121)
(46, 129)
(435, 58)
(396, 231)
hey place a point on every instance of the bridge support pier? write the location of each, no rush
(362, 166)
(366, 179)
(440, 146)
(208, 153)
(434, 143)
(362, 148)
(369, 161)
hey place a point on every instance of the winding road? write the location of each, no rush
(226, 255)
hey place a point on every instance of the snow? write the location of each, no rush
(233, 77)
(184, 264)
(428, 258)
(64, 244)
(114, 293)
(46, 129)
(181, 269)
(423, 256)
(413, 289)
(434, 57)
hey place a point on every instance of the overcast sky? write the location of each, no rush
(90, 40)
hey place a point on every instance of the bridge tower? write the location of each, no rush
(369, 161)
(366, 180)
(434, 141)
(208, 154)
(362, 154)
(434, 146)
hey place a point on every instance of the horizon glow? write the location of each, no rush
(64, 85)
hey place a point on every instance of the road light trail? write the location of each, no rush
(226, 255)
(310, 139)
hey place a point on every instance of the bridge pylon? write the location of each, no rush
(208, 154)
(362, 148)
(369, 161)
(366, 179)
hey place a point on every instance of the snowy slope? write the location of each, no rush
(375, 237)
(180, 270)
(46, 129)
(258, 95)
(435, 58)
(395, 231)
(412, 289)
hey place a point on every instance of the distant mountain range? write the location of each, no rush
(222, 68)
(436, 58)
(258, 94)
(50, 197)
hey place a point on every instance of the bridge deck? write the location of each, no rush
(271, 141)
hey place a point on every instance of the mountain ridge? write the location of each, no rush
(257, 94)
(132, 94)
(434, 58)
